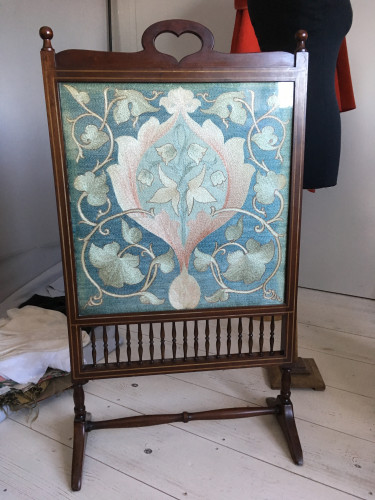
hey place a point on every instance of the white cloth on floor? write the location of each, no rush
(31, 340)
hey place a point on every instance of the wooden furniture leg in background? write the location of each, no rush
(305, 374)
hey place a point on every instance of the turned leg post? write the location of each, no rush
(79, 439)
(286, 382)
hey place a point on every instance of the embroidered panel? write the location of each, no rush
(178, 193)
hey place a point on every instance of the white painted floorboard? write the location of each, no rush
(218, 460)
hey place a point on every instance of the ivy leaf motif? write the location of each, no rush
(266, 139)
(150, 298)
(132, 235)
(202, 260)
(165, 261)
(196, 152)
(80, 97)
(219, 296)
(168, 193)
(249, 267)
(232, 233)
(114, 270)
(226, 106)
(94, 186)
(167, 152)
(196, 192)
(132, 103)
(267, 185)
(93, 138)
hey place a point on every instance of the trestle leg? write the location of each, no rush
(285, 416)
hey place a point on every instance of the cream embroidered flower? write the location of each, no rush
(180, 100)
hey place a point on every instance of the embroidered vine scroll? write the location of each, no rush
(178, 193)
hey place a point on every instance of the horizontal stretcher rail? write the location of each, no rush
(147, 420)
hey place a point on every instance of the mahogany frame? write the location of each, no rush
(150, 65)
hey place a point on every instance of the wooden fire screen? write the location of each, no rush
(178, 189)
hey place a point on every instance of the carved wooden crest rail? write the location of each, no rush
(178, 188)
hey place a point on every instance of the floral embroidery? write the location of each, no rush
(168, 213)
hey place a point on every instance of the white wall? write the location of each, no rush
(132, 17)
(29, 242)
(338, 224)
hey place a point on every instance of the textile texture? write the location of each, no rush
(178, 193)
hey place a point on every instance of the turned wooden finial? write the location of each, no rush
(46, 34)
(301, 37)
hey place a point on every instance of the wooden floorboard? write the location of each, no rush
(233, 459)
(337, 312)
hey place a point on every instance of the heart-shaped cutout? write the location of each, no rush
(178, 47)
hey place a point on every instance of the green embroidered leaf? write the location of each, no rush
(226, 106)
(196, 152)
(165, 261)
(114, 270)
(150, 298)
(202, 260)
(121, 112)
(232, 233)
(267, 185)
(167, 152)
(219, 296)
(80, 97)
(133, 103)
(266, 139)
(249, 267)
(93, 138)
(94, 186)
(265, 252)
(132, 235)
